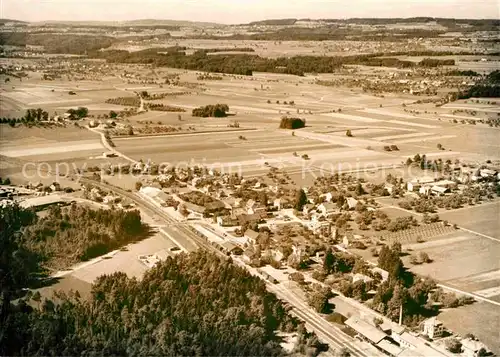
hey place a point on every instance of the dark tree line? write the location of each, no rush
(489, 87)
(164, 108)
(216, 111)
(245, 64)
(72, 234)
(192, 304)
(56, 42)
(467, 73)
(31, 116)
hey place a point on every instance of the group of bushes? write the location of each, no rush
(208, 77)
(164, 108)
(292, 123)
(217, 111)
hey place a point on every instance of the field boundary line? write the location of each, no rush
(473, 295)
(479, 234)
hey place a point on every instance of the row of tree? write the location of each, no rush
(244, 64)
(192, 304)
(216, 111)
(57, 43)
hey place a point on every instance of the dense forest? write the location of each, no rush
(246, 64)
(489, 87)
(57, 43)
(68, 235)
(192, 304)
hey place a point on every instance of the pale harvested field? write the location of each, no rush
(23, 135)
(482, 218)
(481, 318)
(347, 118)
(48, 144)
(127, 261)
(378, 133)
(462, 260)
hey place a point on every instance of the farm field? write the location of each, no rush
(482, 218)
(462, 260)
(481, 318)
(127, 261)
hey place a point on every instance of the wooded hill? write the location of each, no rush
(193, 304)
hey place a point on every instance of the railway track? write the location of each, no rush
(151, 209)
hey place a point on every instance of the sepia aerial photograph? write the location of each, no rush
(293, 178)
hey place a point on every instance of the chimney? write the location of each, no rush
(400, 314)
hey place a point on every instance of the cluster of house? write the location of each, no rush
(461, 177)
(428, 186)
(395, 340)
(97, 195)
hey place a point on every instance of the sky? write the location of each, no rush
(240, 11)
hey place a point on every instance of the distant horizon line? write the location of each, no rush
(253, 21)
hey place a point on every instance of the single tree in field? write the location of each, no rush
(300, 200)
(348, 133)
(329, 262)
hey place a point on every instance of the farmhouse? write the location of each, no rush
(249, 218)
(230, 248)
(432, 327)
(416, 184)
(351, 202)
(191, 207)
(227, 221)
(308, 208)
(328, 208)
(439, 190)
(251, 235)
(389, 187)
(281, 203)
